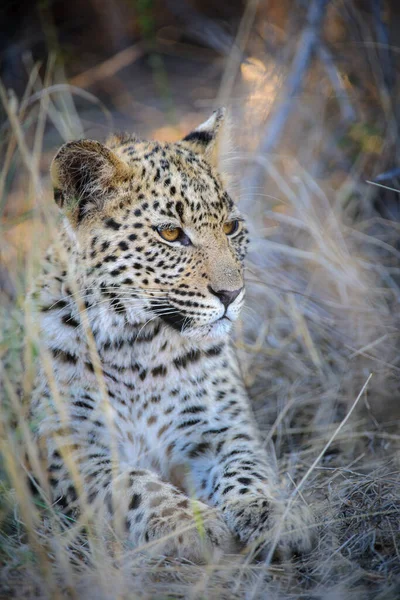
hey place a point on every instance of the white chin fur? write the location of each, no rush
(219, 328)
(215, 330)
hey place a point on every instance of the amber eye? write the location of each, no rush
(173, 234)
(170, 235)
(231, 227)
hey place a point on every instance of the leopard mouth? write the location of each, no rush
(182, 323)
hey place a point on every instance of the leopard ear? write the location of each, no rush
(206, 138)
(83, 175)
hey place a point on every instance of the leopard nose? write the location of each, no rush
(226, 297)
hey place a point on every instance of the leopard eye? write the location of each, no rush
(231, 227)
(171, 235)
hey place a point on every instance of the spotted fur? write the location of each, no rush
(153, 413)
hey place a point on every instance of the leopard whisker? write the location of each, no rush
(129, 302)
(83, 292)
(109, 300)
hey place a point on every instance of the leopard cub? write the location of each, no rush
(151, 426)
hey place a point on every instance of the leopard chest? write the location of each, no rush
(150, 383)
(154, 397)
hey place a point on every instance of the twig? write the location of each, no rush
(347, 110)
(300, 485)
(307, 46)
(306, 49)
(386, 187)
(236, 54)
(388, 175)
(383, 47)
(109, 67)
(68, 88)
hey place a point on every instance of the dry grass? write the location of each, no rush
(318, 345)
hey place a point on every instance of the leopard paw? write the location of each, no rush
(199, 537)
(267, 526)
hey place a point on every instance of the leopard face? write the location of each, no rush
(155, 229)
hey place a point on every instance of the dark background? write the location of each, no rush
(155, 62)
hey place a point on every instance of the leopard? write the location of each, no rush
(139, 406)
